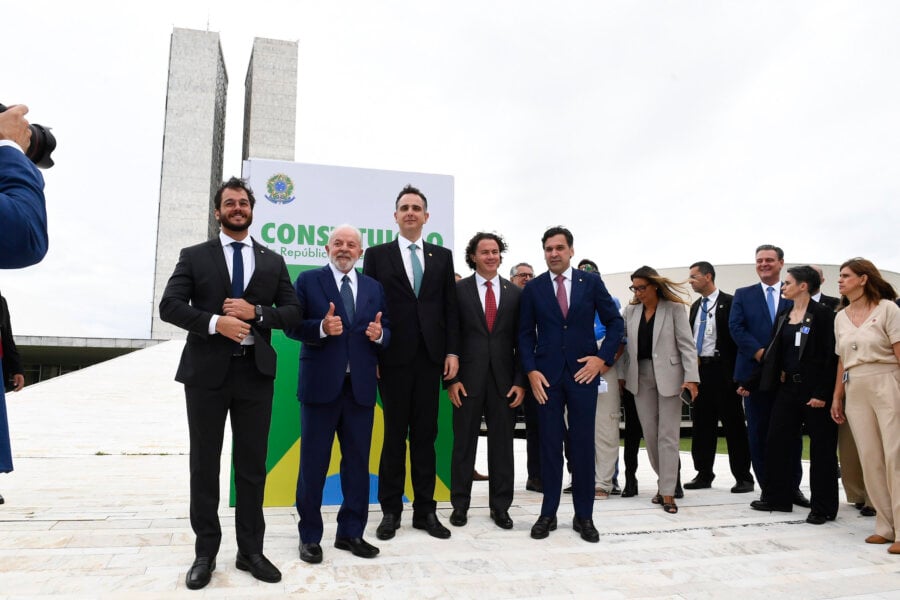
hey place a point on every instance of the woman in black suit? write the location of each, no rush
(800, 366)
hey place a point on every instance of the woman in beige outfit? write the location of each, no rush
(867, 392)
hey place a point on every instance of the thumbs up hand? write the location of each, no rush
(374, 331)
(332, 324)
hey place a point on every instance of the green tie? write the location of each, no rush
(416, 268)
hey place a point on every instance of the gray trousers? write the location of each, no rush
(660, 418)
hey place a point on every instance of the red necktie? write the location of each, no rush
(561, 295)
(490, 306)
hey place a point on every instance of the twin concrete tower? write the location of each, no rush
(194, 139)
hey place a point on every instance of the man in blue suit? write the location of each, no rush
(344, 326)
(562, 361)
(752, 316)
(22, 210)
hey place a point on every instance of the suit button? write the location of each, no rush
(565, 326)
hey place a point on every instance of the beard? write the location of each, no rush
(343, 263)
(227, 224)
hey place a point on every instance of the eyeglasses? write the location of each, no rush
(638, 288)
(525, 275)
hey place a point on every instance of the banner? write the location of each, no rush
(297, 206)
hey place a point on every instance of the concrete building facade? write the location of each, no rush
(270, 100)
(193, 147)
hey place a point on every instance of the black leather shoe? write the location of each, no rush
(259, 566)
(631, 488)
(358, 546)
(311, 553)
(389, 524)
(801, 500)
(867, 511)
(458, 517)
(679, 492)
(501, 519)
(742, 487)
(567, 489)
(815, 518)
(200, 572)
(542, 527)
(2, 500)
(431, 524)
(586, 528)
(616, 491)
(699, 483)
(766, 506)
(534, 485)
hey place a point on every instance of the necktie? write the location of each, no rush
(701, 331)
(561, 295)
(770, 300)
(416, 268)
(347, 297)
(490, 306)
(237, 270)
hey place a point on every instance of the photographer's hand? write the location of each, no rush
(14, 126)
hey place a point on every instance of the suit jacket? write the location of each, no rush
(323, 361)
(22, 212)
(751, 327)
(725, 345)
(482, 351)
(674, 353)
(12, 362)
(196, 291)
(548, 342)
(432, 316)
(818, 362)
(830, 301)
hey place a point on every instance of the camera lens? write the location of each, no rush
(42, 144)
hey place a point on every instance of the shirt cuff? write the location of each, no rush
(212, 324)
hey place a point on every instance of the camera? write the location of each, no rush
(42, 144)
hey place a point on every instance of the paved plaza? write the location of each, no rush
(98, 508)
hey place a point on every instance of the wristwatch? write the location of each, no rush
(259, 314)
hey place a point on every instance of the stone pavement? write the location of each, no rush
(97, 508)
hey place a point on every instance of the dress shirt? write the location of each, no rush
(567, 283)
(13, 144)
(482, 289)
(249, 265)
(407, 261)
(776, 294)
(352, 275)
(709, 339)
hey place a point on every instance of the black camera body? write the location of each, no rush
(42, 144)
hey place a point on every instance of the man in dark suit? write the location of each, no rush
(560, 356)
(751, 320)
(344, 324)
(817, 295)
(489, 382)
(717, 399)
(420, 286)
(10, 370)
(222, 292)
(521, 274)
(22, 211)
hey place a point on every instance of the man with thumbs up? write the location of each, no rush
(345, 323)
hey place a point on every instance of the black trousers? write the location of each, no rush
(409, 395)
(532, 436)
(789, 414)
(500, 419)
(718, 401)
(247, 395)
(633, 434)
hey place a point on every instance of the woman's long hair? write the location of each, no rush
(876, 287)
(666, 289)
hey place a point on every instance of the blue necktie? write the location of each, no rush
(347, 297)
(770, 300)
(701, 331)
(237, 270)
(416, 268)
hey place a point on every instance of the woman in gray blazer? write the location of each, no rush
(660, 361)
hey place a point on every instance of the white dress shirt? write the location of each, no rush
(407, 261)
(482, 289)
(249, 265)
(709, 337)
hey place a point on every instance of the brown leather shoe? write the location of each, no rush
(877, 539)
(476, 476)
(894, 548)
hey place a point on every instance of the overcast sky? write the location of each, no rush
(661, 133)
